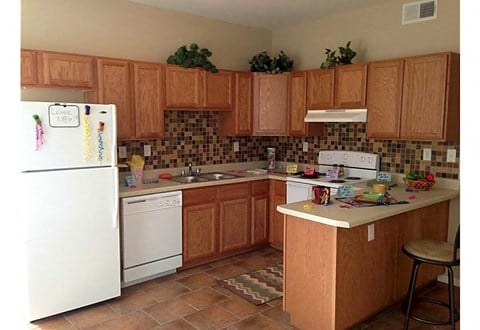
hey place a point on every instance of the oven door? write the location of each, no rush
(297, 191)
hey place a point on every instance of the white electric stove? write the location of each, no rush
(358, 167)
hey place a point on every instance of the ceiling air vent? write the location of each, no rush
(419, 11)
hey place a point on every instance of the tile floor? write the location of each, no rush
(192, 299)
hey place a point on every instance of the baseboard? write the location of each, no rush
(444, 279)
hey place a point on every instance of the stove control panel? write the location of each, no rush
(349, 158)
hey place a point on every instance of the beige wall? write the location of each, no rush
(119, 28)
(375, 32)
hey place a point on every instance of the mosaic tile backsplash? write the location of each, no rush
(192, 137)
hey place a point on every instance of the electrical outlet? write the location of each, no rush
(371, 232)
(147, 150)
(236, 146)
(451, 155)
(122, 152)
(305, 146)
(427, 154)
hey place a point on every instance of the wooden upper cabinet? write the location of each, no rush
(320, 88)
(415, 98)
(28, 67)
(384, 100)
(350, 86)
(298, 107)
(270, 103)
(66, 70)
(113, 78)
(149, 99)
(431, 97)
(184, 88)
(239, 120)
(343, 87)
(218, 90)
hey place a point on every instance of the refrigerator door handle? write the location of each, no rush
(116, 201)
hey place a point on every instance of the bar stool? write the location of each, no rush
(438, 253)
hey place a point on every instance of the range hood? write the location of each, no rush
(336, 116)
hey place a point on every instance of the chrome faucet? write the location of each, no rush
(190, 171)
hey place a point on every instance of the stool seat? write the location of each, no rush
(429, 249)
(438, 253)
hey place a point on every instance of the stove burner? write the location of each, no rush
(337, 181)
(321, 174)
(352, 178)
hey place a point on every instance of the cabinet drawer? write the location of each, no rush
(231, 191)
(279, 187)
(199, 195)
(260, 187)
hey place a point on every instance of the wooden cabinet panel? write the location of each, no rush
(114, 87)
(199, 195)
(234, 224)
(424, 106)
(270, 103)
(67, 70)
(219, 90)
(184, 87)
(232, 191)
(350, 86)
(385, 82)
(199, 231)
(260, 212)
(424, 97)
(277, 197)
(298, 107)
(28, 67)
(320, 87)
(149, 99)
(239, 120)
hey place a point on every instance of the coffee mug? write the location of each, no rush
(379, 187)
(321, 195)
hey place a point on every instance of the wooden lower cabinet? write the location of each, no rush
(217, 221)
(234, 216)
(259, 212)
(334, 277)
(277, 197)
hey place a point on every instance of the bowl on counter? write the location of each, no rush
(371, 196)
(419, 184)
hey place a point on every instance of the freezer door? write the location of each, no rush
(73, 135)
(73, 253)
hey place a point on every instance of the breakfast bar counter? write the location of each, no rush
(342, 265)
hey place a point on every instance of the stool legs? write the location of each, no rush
(411, 290)
(450, 297)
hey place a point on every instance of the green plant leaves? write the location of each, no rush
(193, 57)
(345, 57)
(262, 62)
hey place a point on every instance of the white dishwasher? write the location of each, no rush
(151, 236)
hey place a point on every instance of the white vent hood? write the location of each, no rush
(336, 116)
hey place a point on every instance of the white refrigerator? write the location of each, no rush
(70, 182)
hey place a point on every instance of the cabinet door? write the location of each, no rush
(350, 86)
(149, 97)
(260, 211)
(114, 87)
(270, 104)
(28, 67)
(277, 197)
(424, 92)
(67, 70)
(199, 231)
(298, 107)
(218, 90)
(320, 89)
(184, 88)
(239, 121)
(234, 224)
(384, 100)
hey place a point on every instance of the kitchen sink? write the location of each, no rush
(188, 179)
(215, 176)
(218, 176)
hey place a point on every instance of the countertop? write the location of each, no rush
(168, 185)
(337, 216)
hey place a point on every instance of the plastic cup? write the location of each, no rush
(138, 173)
